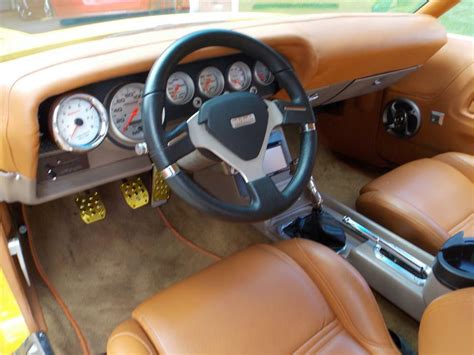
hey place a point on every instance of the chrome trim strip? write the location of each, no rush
(395, 251)
(170, 171)
(295, 108)
(309, 127)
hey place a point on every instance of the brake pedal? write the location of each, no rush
(161, 190)
(135, 193)
(91, 207)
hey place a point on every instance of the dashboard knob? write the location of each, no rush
(141, 148)
(52, 174)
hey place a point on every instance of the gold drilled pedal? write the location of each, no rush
(161, 190)
(135, 193)
(91, 207)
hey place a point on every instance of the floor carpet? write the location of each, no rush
(104, 270)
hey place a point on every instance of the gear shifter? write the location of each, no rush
(319, 226)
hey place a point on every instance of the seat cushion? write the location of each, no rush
(425, 201)
(447, 326)
(294, 297)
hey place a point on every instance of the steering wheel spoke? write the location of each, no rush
(264, 194)
(294, 113)
(178, 143)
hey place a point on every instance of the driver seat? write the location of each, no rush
(294, 296)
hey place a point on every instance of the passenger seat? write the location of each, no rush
(425, 201)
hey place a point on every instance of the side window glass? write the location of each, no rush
(460, 19)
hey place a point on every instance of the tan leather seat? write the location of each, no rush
(447, 326)
(293, 297)
(425, 201)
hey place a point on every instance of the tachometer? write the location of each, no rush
(78, 122)
(125, 114)
(239, 76)
(211, 82)
(180, 88)
(263, 75)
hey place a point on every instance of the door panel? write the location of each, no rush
(446, 85)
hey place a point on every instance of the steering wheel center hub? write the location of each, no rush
(238, 121)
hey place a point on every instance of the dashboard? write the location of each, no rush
(39, 161)
(98, 125)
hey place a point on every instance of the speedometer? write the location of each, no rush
(239, 76)
(179, 88)
(125, 113)
(78, 122)
(211, 82)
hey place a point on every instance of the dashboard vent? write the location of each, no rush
(402, 118)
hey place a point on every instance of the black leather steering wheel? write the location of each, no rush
(235, 127)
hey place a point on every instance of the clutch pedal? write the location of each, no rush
(91, 207)
(161, 190)
(135, 193)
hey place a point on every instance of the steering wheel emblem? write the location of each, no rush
(242, 121)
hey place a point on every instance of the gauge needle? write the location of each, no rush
(74, 131)
(130, 118)
(176, 89)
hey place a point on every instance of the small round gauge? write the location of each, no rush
(239, 76)
(211, 82)
(262, 74)
(179, 88)
(125, 113)
(79, 122)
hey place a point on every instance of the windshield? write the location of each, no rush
(33, 26)
(38, 16)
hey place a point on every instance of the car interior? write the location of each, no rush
(238, 183)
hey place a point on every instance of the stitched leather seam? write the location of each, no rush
(317, 337)
(326, 340)
(377, 200)
(146, 325)
(334, 295)
(458, 227)
(134, 336)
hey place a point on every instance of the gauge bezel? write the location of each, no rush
(189, 82)
(53, 125)
(114, 132)
(247, 71)
(220, 81)
(257, 78)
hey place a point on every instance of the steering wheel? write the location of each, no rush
(235, 127)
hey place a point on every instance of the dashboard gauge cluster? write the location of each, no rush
(80, 121)
(126, 125)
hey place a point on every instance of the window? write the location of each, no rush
(460, 19)
(321, 6)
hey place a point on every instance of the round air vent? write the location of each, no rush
(402, 118)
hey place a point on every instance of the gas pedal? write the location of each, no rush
(135, 193)
(161, 190)
(91, 207)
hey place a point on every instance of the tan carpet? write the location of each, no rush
(105, 269)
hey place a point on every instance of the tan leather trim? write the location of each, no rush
(447, 326)
(318, 46)
(436, 8)
(467, 226)
(248, 302)
(334, 275)
(129, 338)
(445, 84)
(403, 219)
(5, 220)
(464, 163)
